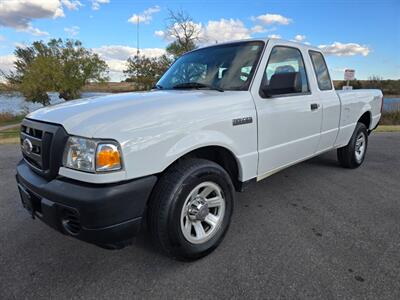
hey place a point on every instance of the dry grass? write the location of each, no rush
(110, 87)
(12, 140)
(7, 87)
(10, 135)
(388, 128)
(392, 115)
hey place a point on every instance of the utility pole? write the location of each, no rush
(137, 36)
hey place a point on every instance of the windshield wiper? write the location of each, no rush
(196, 85)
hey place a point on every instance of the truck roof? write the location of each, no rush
(284, 42)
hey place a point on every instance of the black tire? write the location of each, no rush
(348, 156)
(169, 197)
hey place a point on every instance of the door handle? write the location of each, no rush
(314, 106)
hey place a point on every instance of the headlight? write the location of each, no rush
(92, 155)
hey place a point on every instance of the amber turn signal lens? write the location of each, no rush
(108, 158)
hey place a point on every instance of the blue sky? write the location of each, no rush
(364, 35)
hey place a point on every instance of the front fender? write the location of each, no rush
(198, 140)
(201, 139)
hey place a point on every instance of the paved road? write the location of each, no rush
(312, 231)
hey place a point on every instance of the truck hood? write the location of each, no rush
(112, 115)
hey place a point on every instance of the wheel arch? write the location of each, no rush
(220, 155)
(366, 119)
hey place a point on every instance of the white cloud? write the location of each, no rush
(116, 55)
(20, 45)
(72, 31)
(6, 63)
(19, 14)
(299, 38)
(274, 36)
(2, 38)
(96, 3)
(144, 17)
(258, 29)
(269, 19)
(225, 30)
(159, 33)
(337, 70)
(349, 49)
(34, 31)
(123, 52)
(218, 31)
(71, 4)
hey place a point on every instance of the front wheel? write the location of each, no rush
(353, 154)
(191, 208)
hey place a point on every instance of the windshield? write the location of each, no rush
(224, 67)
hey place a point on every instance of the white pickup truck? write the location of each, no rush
(220, 117)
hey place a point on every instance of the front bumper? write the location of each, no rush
(108, 215)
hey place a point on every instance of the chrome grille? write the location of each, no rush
(42, 146)
(34, 154)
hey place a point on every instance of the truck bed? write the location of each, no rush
(354, 103)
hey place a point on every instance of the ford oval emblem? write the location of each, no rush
(27, 146)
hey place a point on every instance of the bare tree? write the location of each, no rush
(184, 31)
(375, 78)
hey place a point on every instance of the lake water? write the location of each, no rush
(391, 104)
(15, 103)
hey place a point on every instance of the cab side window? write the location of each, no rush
(321, 71)
(285, 73)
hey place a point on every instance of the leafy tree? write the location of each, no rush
(41, 76)
(64, 67)
(388, 86)
(145, 71)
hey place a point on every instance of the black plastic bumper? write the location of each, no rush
(108, 215)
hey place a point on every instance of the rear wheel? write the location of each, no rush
(353, 154)
(191, 208)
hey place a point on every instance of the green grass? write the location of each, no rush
(10, 119)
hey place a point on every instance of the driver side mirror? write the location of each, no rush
(265, 91)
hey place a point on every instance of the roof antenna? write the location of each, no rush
(137, 36)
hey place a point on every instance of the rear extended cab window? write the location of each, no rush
(285, 74)
(321, 70)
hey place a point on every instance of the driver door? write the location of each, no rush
(289, 114)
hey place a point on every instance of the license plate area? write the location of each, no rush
(26, 200)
